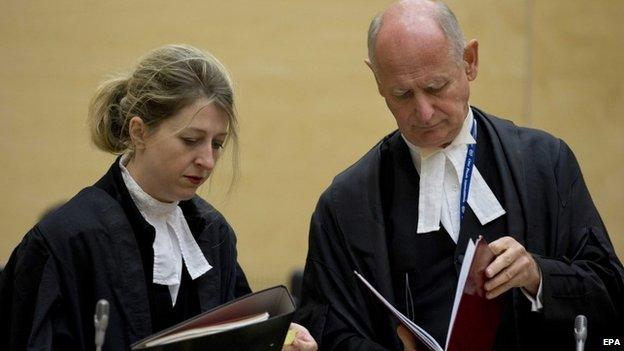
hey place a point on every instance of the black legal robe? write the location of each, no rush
(87, 250)
(549, 211)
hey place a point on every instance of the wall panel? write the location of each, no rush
(308, 105)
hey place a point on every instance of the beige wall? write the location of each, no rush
(307, 102)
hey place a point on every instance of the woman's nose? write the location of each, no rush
(206, 160)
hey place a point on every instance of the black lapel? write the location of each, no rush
(209, 239)
(405, 187)
(507, 153)
(124, 267)
(359, 216)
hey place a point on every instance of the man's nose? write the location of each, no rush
(424, 109)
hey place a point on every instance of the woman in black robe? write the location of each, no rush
(140, 237)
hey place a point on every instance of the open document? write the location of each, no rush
(474, 320)
(258, 321)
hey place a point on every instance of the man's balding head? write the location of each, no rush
(417, 17)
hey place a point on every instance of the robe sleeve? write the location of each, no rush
(30, 300)
(241, 286)
(332, 307)
(236, 284)
(585, 275)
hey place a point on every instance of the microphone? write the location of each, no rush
(580, 331)
(101, 323)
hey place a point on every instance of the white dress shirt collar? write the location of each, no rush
(441, 170)
(174, 244)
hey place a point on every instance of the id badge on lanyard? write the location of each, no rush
(467, 176)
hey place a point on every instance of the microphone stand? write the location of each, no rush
(580, 332)
(101, 323)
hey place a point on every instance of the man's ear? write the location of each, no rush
(471, 59)
(138, 132)
(372, 68)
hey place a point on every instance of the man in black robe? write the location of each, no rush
(382, 216)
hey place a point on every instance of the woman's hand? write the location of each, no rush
(303, 340)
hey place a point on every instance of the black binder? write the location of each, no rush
(264, 335)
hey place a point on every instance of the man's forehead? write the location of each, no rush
(419, 34)
(418, 61)
(400, 44)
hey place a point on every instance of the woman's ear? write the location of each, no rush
(138, 132)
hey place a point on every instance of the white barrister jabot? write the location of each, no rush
(441, 170)
(174, 244)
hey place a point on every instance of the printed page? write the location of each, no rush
(418, 332)
(211, 329)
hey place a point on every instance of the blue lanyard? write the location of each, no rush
(470, 158)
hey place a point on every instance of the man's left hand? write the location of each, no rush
(513, 267)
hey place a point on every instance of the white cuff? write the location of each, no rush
(536, 302)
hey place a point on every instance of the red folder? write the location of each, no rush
(474, 320)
